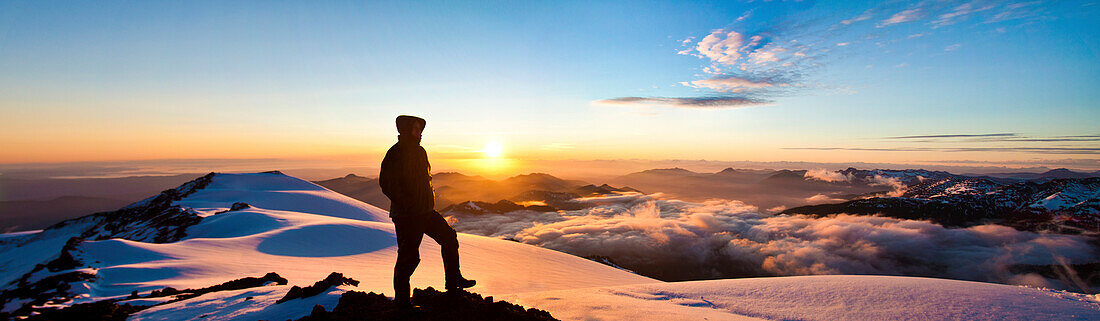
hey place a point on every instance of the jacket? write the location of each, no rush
(406, 180)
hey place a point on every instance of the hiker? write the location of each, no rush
(406, 180)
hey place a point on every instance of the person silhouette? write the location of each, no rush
(405, 179)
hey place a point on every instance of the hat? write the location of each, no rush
(405, 123)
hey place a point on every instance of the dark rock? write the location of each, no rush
(333, 279)
(54, 288)
(167, 291)
(51, 288)
(99, 310)
(236, 207)
(66, 261)
(456, 305)
(239, 206)
(242, 283)
(318, 313)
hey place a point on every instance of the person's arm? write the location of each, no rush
(425, 153)
(391, 178)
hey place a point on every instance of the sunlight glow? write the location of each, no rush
(493, 149)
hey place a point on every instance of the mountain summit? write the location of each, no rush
(224, 227)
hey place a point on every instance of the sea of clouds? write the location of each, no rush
(675, 240)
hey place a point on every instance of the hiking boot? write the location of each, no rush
(408, 312)
(403, 305)
(459, 283)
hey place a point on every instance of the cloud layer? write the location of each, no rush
(825, 175)
(687, 102)
(677, 240)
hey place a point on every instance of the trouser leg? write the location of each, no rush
(437, 228)
(408, 257)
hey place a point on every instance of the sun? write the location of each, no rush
(493, 149)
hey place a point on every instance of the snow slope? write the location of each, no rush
(303, 232)
(831, 297)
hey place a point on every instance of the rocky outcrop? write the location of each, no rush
(458, 305)
(333, 279)
(112, 309)
(155, 219)
(242, 283)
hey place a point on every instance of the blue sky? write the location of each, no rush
(783, 80)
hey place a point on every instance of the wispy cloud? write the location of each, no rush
(958, 13)
(866, 15)
(993, 142)
(1019, 10)
(1054, 139)
(901, 17)
(746, 57)
(1079, 136)
(685, 102)
(1081, 164)
(863, 149)
(999, 137)
(1036, 150)
(732, 84)
(953, 136)
(1041, 150)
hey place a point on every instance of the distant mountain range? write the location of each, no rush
(1060, 200)
(856, 191)
(38, 214)
(539, 200)
(1048, 175)
(35, 203)
(1064, 205)
(469, 194)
